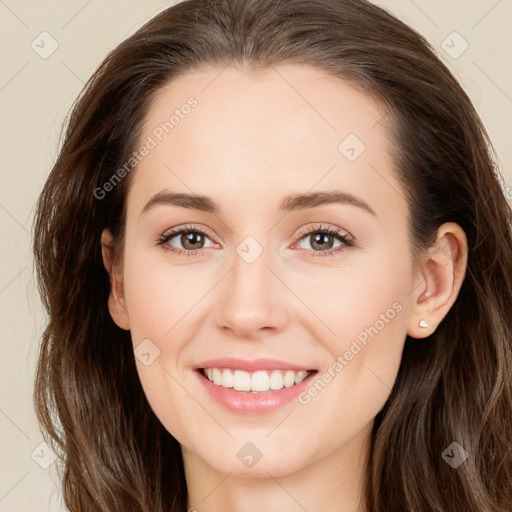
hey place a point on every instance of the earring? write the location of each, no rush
(424, 323)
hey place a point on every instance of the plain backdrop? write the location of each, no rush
(36, 91)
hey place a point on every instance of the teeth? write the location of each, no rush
(300, 376)
(227, 379)
(289, 379)
(241, 381)
(276, 380)
(258, 381)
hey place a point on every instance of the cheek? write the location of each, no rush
(366, 312)
(370, 326)
(159, 295)
(366, 295)
(157, 299)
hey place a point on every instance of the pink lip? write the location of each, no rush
(247, 402)
(250, 365)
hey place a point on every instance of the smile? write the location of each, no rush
(256, 386)
(256, 382)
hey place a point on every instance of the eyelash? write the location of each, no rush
(334, 232)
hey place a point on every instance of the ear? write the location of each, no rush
(439, 280)
(116, 299)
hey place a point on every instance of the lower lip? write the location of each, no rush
(247, 402)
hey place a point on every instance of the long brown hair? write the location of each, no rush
(454, 386)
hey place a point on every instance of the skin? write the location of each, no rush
(254, 138)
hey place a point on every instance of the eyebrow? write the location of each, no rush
(288, 204)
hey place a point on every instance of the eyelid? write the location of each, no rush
(189, 227)
(321, 227)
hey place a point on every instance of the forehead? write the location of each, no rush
(235, 130)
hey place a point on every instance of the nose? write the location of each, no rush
(253, 300)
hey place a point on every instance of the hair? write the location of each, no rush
(454, 386)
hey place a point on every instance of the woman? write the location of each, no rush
(276, 258)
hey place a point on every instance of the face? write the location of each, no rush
(291, 280)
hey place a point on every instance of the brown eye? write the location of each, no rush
(184, 241)
(192, 240)
(321, 241)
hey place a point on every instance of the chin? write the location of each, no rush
(276, 465)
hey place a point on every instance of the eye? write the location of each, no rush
(190, 238)
(321, 240)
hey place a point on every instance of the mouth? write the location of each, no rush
(253, 386)
(259, 381)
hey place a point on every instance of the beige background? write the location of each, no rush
(35, 95)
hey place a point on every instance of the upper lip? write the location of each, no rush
(251, 365)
